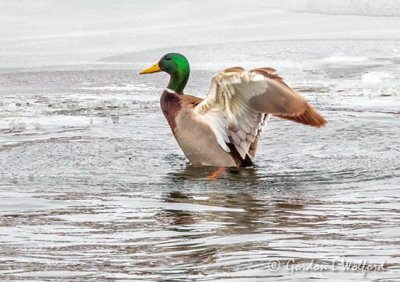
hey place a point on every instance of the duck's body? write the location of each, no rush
(195, 137)
(223, 129)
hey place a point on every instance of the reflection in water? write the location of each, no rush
(190, 172)
(192, 228)
(246, 225)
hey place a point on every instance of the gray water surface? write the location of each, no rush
(94, 187)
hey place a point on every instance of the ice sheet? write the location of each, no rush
(82, 32)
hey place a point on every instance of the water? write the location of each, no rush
(94, 187)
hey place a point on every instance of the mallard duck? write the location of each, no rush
(223, 129)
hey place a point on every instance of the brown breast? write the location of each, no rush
(170, 105)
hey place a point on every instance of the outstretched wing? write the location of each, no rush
(239, 100)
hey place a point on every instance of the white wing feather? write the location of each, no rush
(226, 109)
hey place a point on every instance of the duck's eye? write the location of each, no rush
(168, 58)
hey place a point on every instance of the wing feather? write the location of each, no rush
(239, 101)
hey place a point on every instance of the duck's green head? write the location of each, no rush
(177, 66)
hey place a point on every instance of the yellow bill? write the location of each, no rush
(155, 68)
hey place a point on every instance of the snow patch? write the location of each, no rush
(376, 77)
